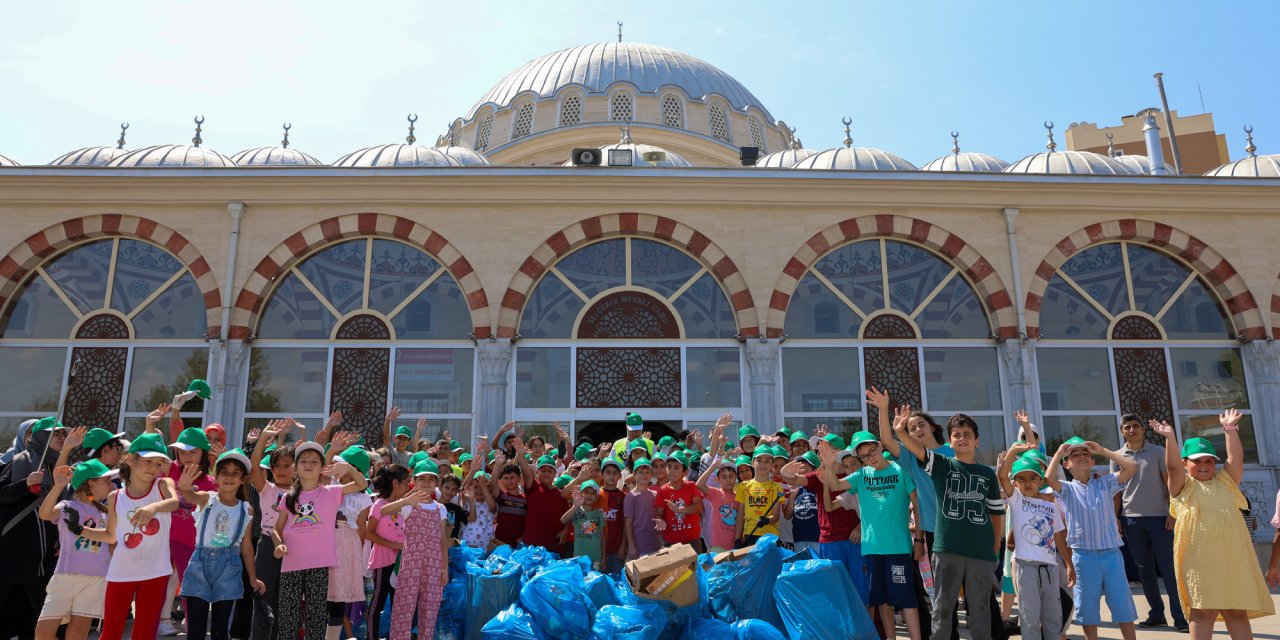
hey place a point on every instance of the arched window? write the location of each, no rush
(719, 124)
(620, 107)
(893, 315)
(757, 134)
(672, 111)
(523, 121)
(124, 317)
(1126, 328)
(571, 110)
(482, 131)
(360, 326)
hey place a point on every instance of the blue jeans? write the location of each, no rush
(1151, 545)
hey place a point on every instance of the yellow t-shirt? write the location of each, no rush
(756, 498)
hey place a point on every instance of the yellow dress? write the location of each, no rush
(1212, 552)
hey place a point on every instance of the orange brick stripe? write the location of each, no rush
(979, 272)
(43, 245)
(563, 242)
(1246, 317)
(244, 315)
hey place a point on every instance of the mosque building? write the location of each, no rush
(623, 227)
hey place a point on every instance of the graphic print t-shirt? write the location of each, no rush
(1034, 522)
(756, 497)
(610, 503)
(884, 495)
(968, 494)
(723, 517)
(681, 527)
(804, 517)
(309, 529)
(77, 554)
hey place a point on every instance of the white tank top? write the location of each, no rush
(140, 554)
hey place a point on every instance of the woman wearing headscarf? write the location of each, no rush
(30, 543)
(19, 442)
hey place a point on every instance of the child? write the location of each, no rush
(638, 514)
(759, 501)
(79, 582)
(722, 516)
(386, 534)
(346, 579)
(192, 448)
(802, 509)
(659, 463)
(305, 536)
(1094, 535)
(588, 523)
(138, 520)
(611, 503)
(459, 516)
(546, 504)
(743, 466)
(223, 548)
(1217, 571)
(278, 463)
(424, 563)
(679, 505)
(513, 508)
(1038, 532)
(482, 507)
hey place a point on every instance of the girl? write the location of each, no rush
(1212, 553)
(79, 582)
(138, 523)
(480, 502)
(346, 580)
(193, 449)
(223, 547)
(305, 541)
(424, 563)
(386, 533)
(278, 463)
(638, 514)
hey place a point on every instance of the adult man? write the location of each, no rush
(635, 431)
(1147, 525)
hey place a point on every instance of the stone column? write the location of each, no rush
(762, 369)
(1262, 360)
(1020, 375)
(228, 410)
(494, 357)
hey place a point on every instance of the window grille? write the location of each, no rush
(524, 121)
(719, 126)
(482, 133)
(620, 107)
(672, 112)
(571, 111)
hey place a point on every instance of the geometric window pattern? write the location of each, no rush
(482, 132)
(571, 111)
(524, 121)
(672, 111)
(360, 390)
(620, 107)
(628, 377)
(757, 137)
(719, 126)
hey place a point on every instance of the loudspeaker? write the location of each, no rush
(654, 157)
(748, 155)
(586, 156)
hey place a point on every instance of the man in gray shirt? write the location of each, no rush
(1147, 525)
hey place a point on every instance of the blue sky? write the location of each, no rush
(346, 74)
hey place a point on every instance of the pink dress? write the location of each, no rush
(419, 588)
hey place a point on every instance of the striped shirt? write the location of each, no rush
(1091, 513)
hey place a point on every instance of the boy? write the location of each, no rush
(802, 508)
(969, 527)
(457, 515)
(887, 497)
(611, 504)
(1038, 530)
(546, 504)
(679, 505)
(1094, 535)
(588, 523)
(512, 507)
(639, 523)
(759, 501)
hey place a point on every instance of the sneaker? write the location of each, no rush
(168, 628)
(1153, 622)
(1182, 628)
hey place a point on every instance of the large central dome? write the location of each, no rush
(596, 66)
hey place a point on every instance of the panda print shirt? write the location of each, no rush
(309, 529)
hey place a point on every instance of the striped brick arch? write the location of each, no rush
(1246, 317)
(357, 225)
(986, 283)
(642, 225)
(45, 244)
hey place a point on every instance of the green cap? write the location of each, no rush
(786, 432)
(642, 462)
(234, 454)
(590, 484)
(49, 423)
(780, 452)
(1075, 442)
(201, 388)
(1025, 464)
(417, 457)
(466, 457)
(265, 463)
(582, 452)
(402, 430)
(886, 455)
(610, 461)
(659, 457)
(1036, 456)
(192, 439)
(90, 469)
(489, 457)
(426, 467)
(861, 438)
(812, 459)
(682, 458)
(836, 441)
(150, 445)
(635, 422)
(1195, 448)
(638, 443)
(798, 436)
(561, 481)
(97, 437)
(742, 461)
(357, 457)
(746, 431)
(666, 441)
(454, 445)
(762, 452)
(553, 452)
(546, 461)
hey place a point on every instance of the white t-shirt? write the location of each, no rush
(1034, 523)
(220, 530)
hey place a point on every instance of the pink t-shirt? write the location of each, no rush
(722, 518)
(309, 533)
(183, 528)
(271, 502)
(389, 528)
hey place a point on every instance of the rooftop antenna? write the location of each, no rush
(848, 141)
(1248, 135)
(1168, 124)
(197, 140)
(1201, 92)
(619, 32)
(1050, 145)
(285, 143)
(413, 117)
(955, 143)
(1111, 147)
(120, 142)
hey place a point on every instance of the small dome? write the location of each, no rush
(672, 159)
(1140, 165)
(464, 157)
(6, 162)
(784, 159)
(274, 157)
(970, 161)
(1070, 162)
(856, 159)
(1250, 167)
(88, 157)
(396, 155)
(171, 155)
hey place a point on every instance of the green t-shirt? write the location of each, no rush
(968, 495)
(885, 499)
(588, 534)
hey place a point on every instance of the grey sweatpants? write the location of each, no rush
(950, 572)
(1039, 607)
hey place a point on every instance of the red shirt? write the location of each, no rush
(681, 527)
(610, 503)
(833, 526)
(546, 506)
(512, 512)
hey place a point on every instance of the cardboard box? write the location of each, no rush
(733, 555)
(669, 575)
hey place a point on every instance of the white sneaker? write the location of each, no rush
(168, 628)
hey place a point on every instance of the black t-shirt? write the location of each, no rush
(457, 518)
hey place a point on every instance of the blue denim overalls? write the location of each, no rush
(214, 572)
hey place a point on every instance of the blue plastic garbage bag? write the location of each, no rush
(756, 630)
(679, 618)
(638, 622)
(818, 601)
(708, 629)
(622, 590)
(559, 605)
(462, 555)
(744, 589)
(532, 558)
(451, 623)
(512, 623)
(491, 587)
(601, 591)
(799, 556)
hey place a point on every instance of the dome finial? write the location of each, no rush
(619, 31)
(1050, 145)
(848, 141)
(1111, 147)
(1248, 134)
(285, 143)
(626, 132)
(795, 142)
(453, 134)
(412, 118)
(199, 120)
(955, 143)
(120, 142)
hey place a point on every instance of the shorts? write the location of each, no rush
(1101, 574)
(892, 582)
(69, 594)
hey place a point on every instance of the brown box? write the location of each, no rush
(669, 575)
(733, 555)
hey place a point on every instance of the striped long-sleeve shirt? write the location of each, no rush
(1091, 514)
